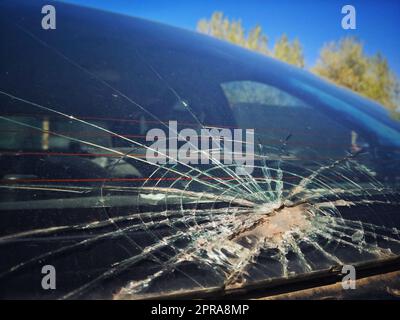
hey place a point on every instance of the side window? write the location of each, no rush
(281, 119)
(250, 92)
(17, 137)
(34, 133)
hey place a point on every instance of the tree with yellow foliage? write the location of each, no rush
(222, 28)
(345, 63)
(289, 52)
(232, 30)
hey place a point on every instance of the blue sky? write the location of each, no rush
(314, 22)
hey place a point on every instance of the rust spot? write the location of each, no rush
(273, 227)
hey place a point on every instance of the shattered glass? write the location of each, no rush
(78, 193)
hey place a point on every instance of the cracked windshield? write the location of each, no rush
(146, 161)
